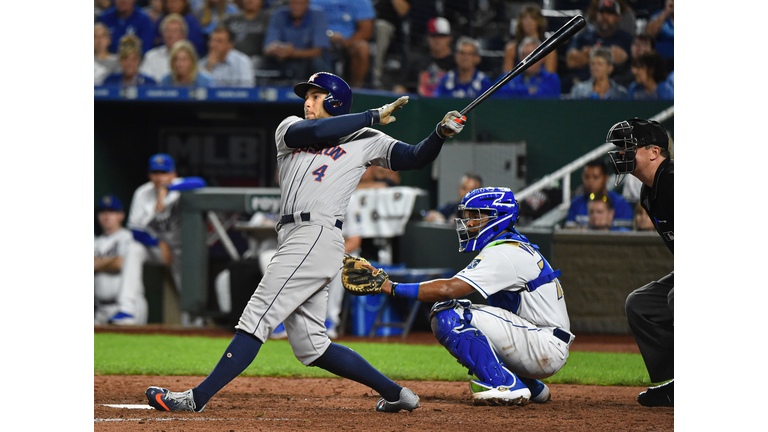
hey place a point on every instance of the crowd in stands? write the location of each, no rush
(433, 48)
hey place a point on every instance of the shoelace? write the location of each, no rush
(182, 398)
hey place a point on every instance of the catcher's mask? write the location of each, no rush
(627, 136)
(491, 211)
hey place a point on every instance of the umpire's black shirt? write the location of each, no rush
(659, 201)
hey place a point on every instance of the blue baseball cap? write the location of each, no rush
(162, 162)
(109, 202)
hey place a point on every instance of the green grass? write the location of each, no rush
(122, 354)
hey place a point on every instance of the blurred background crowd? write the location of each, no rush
(433, 48)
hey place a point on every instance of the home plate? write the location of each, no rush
(129, 406)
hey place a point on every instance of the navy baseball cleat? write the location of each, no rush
(165, 400)
(659, 396)
(408, 401)
(486, 394)
(539, 390)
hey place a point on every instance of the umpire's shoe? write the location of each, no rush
(165, 400)
(659, 396)
(408, 401)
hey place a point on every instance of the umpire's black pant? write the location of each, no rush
(650, 314)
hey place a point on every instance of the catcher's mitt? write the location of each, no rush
(360, 280)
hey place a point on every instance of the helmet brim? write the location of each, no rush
(301, 89)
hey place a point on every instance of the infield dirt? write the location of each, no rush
(289, 404)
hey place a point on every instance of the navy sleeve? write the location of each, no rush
(310, 132)
(408, 157)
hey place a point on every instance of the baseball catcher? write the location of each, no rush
(522, 335)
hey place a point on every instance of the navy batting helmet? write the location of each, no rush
(494, 208)
(339, 99)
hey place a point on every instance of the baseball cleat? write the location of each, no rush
(659, 396)
(279, 332)
(485, 394)
(408, 401)
(164, 400)
(123, 318)
(539, 390)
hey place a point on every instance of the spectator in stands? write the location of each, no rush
(534, 82)
(350, 28)
(227, 66)
(424, 73)
(184, 70)
(530, 23)
(594, 179)
(447, 212)
(154, 11)
(466, 81)
(99, 6)
(641, 43)
(627, 18)
(296, 43)
(641, 221)
(211, 13)
(157, 61)
(123, 18)
(105, 63)
(650, 76)
(109, 248)
(661, 26)
(600, 85)
(195, 33)
(130, 58)
(605, 34)
(389, 32)
(601, 214)
(249, 27)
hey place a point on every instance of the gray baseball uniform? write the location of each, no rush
(316, 185)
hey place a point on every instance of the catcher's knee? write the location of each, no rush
(448, 315)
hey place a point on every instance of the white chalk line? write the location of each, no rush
(97, 420)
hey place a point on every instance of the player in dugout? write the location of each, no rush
(522, 335)
(321, 159)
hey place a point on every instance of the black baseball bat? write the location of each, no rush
(563, 34)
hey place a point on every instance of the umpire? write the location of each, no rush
(643, 151)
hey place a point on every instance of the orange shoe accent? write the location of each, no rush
(160, 401)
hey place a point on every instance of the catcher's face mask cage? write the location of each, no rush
(490, 211)
(623, 158)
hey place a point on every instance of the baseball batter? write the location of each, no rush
(321, 159)
(109, 249)
(523, 334)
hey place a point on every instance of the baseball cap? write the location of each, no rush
(162, 162)
(439, 27)
(649, 132)
(609, 6)
(109, 202)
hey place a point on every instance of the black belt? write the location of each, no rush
(562, 335)
(288, 218)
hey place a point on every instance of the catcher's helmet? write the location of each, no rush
(627, 136)
(497, 205)
(339, 99)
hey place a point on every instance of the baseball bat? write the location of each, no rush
(563, 34)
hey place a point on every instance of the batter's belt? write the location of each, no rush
(306, 217)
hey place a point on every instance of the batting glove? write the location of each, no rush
(452, 124)
(383, 115)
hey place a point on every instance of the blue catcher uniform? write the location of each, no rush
(523, 334)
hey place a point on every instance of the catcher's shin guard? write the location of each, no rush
(451, 326)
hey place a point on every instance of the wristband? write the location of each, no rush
(392, 290)
(407, 290)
